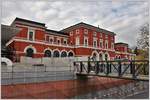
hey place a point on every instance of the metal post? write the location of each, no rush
(12, 73)
(131, 67)
(107, 68)
(45, 68)
(133, 70)
(110, 68)
(81, 67)
(89, 67)
(119, 69)
(97, 67)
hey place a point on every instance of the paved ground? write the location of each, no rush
(143, 95)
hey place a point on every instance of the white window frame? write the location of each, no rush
(77, 31)
(31, 30)
(85, 31)
(106, 42)
(101, 41)
(100, 34)
(58, 39)
(112, 46)
(71, 33)
(86, 38)
(106, 36)
(94, 33)
(46, 37)
(50, 37)
(77, 42)
(95, 39)
(64, 41)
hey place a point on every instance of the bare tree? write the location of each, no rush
(143, 39)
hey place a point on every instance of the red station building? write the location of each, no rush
(35, 40)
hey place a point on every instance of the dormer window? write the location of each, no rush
(31, 34)
(85, 31)
(77, 31)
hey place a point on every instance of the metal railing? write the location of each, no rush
(134, 69)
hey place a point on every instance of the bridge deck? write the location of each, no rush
(113, 75)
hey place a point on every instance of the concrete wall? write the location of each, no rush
(53, 62)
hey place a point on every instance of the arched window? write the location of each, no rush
(64, 54)
(106, 57)
(100, 57)
(29, 52)
(94, 56)
(47, 53)
(56, 54)
(70, 54)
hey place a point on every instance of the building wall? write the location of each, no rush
(40, 43)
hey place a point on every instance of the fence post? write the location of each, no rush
(119, 69)
(89, 67)
(97, 67)
(133, 70)
(107, 68)
(12, 73)
(81, 67)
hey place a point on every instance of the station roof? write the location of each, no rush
(81, 24)
(49, 31)
(121, 43)
(7, 32)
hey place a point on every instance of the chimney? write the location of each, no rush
(98, 26)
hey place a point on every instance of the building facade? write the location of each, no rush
(35, 40)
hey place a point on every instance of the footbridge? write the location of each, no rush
(132, 70)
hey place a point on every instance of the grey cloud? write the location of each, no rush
(121, 17)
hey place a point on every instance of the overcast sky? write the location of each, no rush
(124, 17)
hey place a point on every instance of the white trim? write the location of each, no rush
(63, 51)
(106, 42)
(101, 54)
(45, 43)
(97, 54)
(48, 49)
(95, 39)
(58, 51)
(85, 31)
(59, 39)
(72, 52)
(24, 52)
(86, 38)
(31, 30)
(29, 27)
(77, 41)
(30, 46)
(77, 31)
(107, 55)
